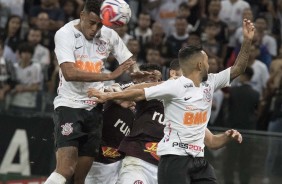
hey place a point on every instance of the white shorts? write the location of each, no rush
(103, 173)
(137, 171)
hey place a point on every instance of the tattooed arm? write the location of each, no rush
(243, 56)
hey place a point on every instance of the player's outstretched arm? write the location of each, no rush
(218, 141)
(128, 95)
(71, 73)
(243, 56)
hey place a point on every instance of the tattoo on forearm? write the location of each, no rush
(242, 59)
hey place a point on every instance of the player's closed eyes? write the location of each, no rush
(99, 24)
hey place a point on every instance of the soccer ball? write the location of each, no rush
(115, 13)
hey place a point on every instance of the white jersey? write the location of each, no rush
(187, 111)
(88, 55)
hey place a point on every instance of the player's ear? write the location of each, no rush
(82, 15)
(172, 73)
(200, 65)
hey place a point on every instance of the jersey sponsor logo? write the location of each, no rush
(89, 66)
(158, 117)
(110, 152)
(188, 85)
(191, 108)
(67, 128)
(138, 182)
(194, 148)
(195, 118)
(151, 147)
(123, 127)
(88, 102)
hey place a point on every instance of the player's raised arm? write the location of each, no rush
(243, 56)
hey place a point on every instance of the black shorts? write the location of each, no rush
(80, 128)
(185, 170)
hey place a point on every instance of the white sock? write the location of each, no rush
(55, 178)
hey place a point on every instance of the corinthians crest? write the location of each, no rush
(67, 128)
(207, 94)
(101, 47)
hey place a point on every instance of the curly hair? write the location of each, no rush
(148, 67)
(93, 6)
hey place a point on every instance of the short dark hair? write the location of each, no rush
(26, 47)
(148, 67)
(174, 65)
(93, 6)
(189, 51)
(249, 72)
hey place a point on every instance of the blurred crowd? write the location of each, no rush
(29, 72)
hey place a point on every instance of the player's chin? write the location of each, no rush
(90, 36)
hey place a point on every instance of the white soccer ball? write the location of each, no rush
(115, 13)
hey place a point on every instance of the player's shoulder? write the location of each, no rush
(108, 32)
(180, 81)
(66, 29)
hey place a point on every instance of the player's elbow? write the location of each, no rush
(209, 143)
(69, 76)
(69, 72)
(213, 147)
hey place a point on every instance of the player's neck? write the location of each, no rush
(195, 77)
(78, 27)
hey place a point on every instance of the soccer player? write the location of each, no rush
(187, 106)
(117, 123)
(81, 46)
(141, 161)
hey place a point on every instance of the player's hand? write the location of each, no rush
(234, 135)
(121, 69)
(101, 97)
(127, 104)
(248, 29)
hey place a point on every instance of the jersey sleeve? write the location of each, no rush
(64, 47)
(163, 91)
(119, 49)
(221, 79)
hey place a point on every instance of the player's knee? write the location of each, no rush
(67, 171)
(66, 161)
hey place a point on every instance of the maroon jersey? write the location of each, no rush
(146, 132)
(117, 123)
